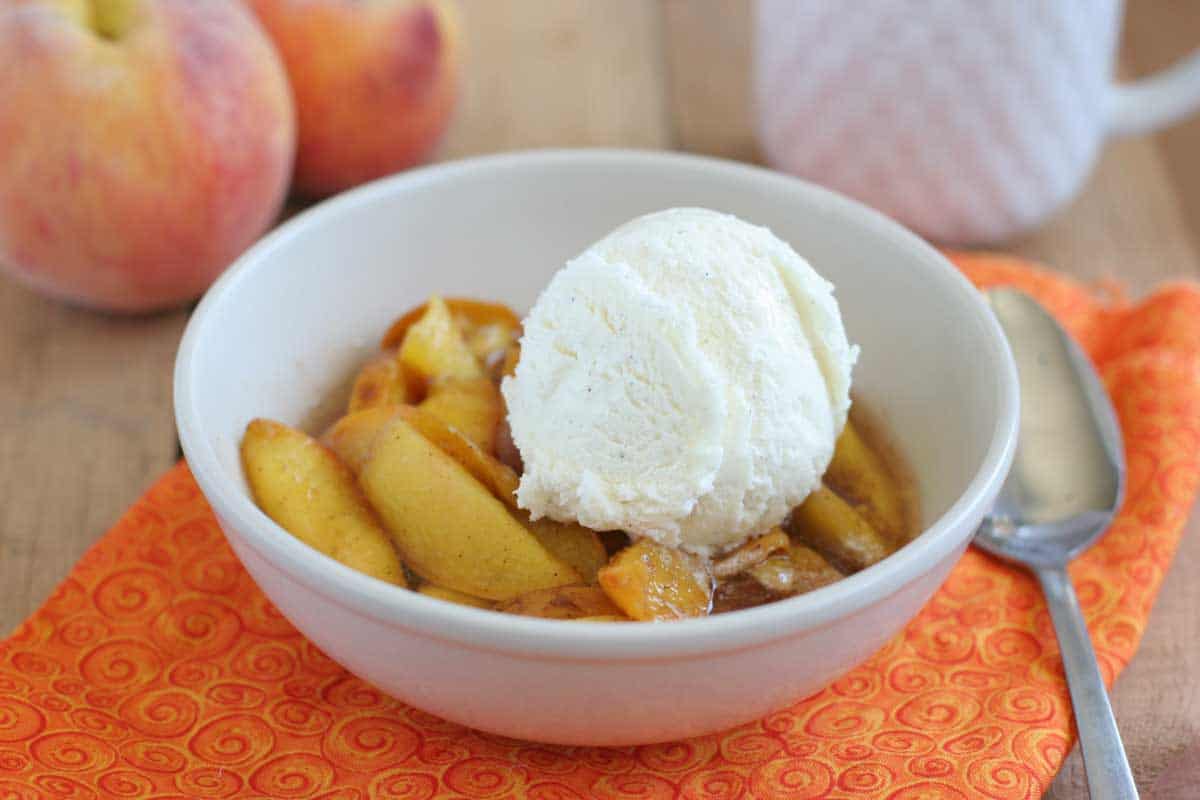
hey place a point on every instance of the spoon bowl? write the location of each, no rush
(1066, 484)
(1068, 475)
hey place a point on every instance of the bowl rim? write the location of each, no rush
(538, 638)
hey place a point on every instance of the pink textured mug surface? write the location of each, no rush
(967, 120)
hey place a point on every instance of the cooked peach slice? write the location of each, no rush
(801, 569)
(472, 406)
(776, 574)
(752, 552)
(831, 526)
(563, 602)
(448, 527)
(511, 356)
(811, 569)
(491, 343)
(380, 382)
(302, 485)
(651, 582)
(434, 348)
(351, 437)
(574, 544)
(451, 596)
(466, 312)
(499, 478)
(859, 474)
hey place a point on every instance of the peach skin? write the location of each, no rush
(143, 145)
(375, 84)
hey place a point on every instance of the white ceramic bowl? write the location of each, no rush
(289, 322)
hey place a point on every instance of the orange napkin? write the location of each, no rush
(159, 669)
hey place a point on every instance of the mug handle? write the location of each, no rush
(1151, 103)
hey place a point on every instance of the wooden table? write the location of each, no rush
(86, 403)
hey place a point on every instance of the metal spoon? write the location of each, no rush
(1066, 483)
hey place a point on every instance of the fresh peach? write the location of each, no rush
(143, 145)
(375, 84)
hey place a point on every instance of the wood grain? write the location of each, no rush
(709, 61)
(1157, 33)
(1178, 781)
(1127, 223)
(572, 73)
(86, 398)
(87, 425)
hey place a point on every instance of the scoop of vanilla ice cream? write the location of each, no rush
(684, 378)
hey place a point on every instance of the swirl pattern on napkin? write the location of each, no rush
(159, 669)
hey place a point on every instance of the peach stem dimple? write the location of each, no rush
(112, 19)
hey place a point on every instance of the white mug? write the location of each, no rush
(968, 120)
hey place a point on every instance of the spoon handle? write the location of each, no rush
(1104, 761)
